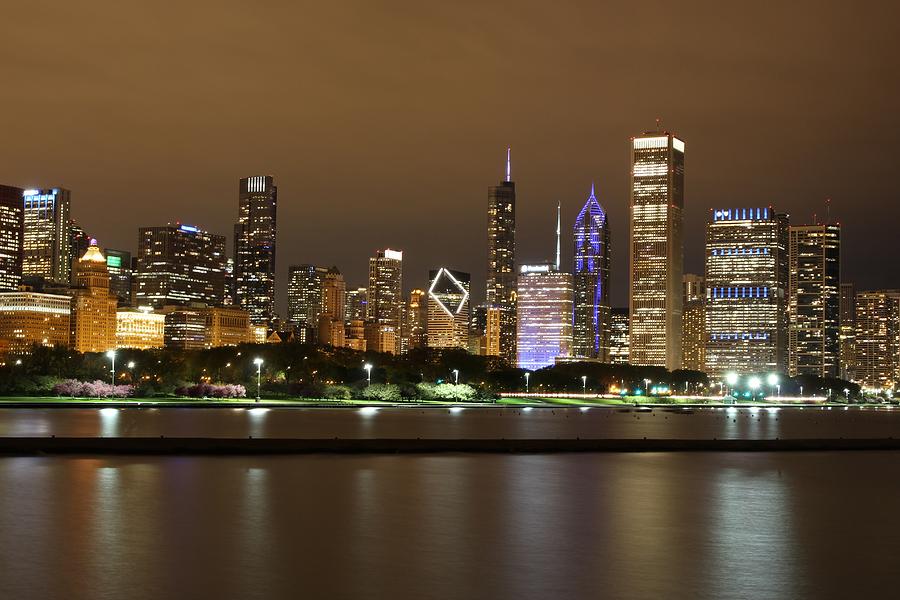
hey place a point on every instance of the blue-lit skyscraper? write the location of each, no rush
(591, 282)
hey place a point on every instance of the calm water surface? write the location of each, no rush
(651, 525)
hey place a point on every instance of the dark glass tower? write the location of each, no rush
(591, 270)
(501, 267)
(254, 248)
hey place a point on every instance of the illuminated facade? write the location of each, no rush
(501, 267)
(46, 244)
(254, 247)
(118, 263)
(331, 319)
(848, 330)
(591, 279)
(448, 309)
(544, 316)
(179, 264)
(876, 345)
(384, 300)
(93, 306)
(29, 318)
(746, 291)
(618, 336)
(693, 323)
(11, 227)
(140, 329)
(305, 294)
(656, 205)
(814, 303)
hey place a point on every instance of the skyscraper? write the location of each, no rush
(501, 268)
(876, 346)
(656, 213)
(693, 323)
(305, 294)
(814, 303)
(46, 243)
(448, 309)
(331, 319)
(385, 291)
(254, 247)
(591, 279)
(179, 264)
(11, 226)
(544, 316)
(746, 291)
(848, 330)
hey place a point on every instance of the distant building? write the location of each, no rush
(331, 319)
(179, 264)
(140, 329)
(501, 268)
(746, 291)
(618, 338)
(46, 244)
(848, 330)
(591, 279)
(305, 294)
(29, 318)
(11, 237)
(693, 323)
(544, 316)
(254, 247)
(93, 306)
(385, 292)
(118, 263)
(876, 345)
(448, 309)
(814, 305)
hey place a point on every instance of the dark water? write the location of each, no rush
(652, 525)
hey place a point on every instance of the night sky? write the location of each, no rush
(384, 123)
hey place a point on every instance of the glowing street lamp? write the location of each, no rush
(111, 355)
(259, 363)
(456, 376)
(368, 368)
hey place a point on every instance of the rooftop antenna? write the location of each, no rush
(558, 232)
(507, 163)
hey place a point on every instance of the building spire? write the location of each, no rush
(558, 232)
(507, 164)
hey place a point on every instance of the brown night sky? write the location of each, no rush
(384, 122)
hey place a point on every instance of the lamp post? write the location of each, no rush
(258, 362)
(527, 375)
(584, 384)
(111, 355)
(368, 368)
(456, 376)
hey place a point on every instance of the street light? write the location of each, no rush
(584, 384)
(527, 375)
(368, 368)
(258, 362)
(111, 355)
(456, 376)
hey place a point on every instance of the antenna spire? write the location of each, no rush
(507, 164)
(558, 231)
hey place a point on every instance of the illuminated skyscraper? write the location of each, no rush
(618, 337)
(305, 294)
(693, 323)
(876, 346)
(501, 268)
(93, 306)
(814, 304)
(746, 291)
(46, 244)
(11, 225)
(656, 204)
(544, 316)
(448, 309)
(591, 278)
(385, 291)
(179, 264)
(331, 319)
(848, 330)
(254, 247)
(118, 262)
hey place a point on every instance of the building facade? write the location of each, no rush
(746, 291)
(93, 306)
(384, 296)
(30, 318)
(656, 203)
(814, 300)
(448, 309)
(254, 247)
(12, 224)
(544, 316)
(591, 278)
(501, 267)
(693, 323)
(46, 251)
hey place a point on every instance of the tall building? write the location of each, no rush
(591, 279)
(179, 264)
(331, 319)
(11, 227)
(384, 301)
(848, 330)
(746, 291)
(448, 309)
(618, 337)
(93, 306)
(656, 213)
(814, 303)
(501, 268)
(254, 247)
(356, 304)
(141, 329)
(876, 345)
(544, 316)
(46, 244)
(693, 323)
(118, 263)
(30, 318)
(305, 294)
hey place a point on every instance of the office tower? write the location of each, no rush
(656, 203)
(618, 336)
(305, 294)
(385, 292)
(30, 318)
(848, 330)
(693, 323)
(876, 345)
(11, 227)
(415, 320)
(254, 247)
(118, 263)
(591, 279)
(448, 309)
(356, 304)
(197, 326)
(746, 298)
(46, 243)
(501, 268)
(331, 319)
(93, 305)
(814, 304)
(179, 264)
(139, 328)
(543, 316)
